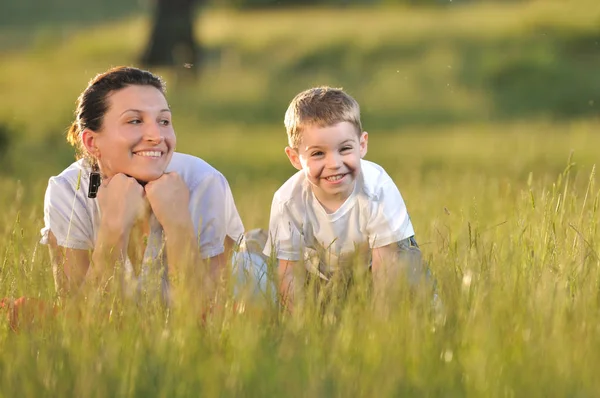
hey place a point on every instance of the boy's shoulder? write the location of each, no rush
(374, 179)
(293, 189)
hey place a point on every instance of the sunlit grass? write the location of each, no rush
(516, 264)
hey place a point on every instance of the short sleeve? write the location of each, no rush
(214, 215)
(234, 225)
(66, 214)
(389, 220)
(284, 238)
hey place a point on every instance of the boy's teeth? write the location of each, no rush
(335, 178)
(151, 154)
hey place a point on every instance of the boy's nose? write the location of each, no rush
(334, 161)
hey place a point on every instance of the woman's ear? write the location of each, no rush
(293, 156)
(363, 144)
(89, 137)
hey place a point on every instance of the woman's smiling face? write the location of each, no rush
(136, 137)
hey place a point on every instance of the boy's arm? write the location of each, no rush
(286, 278)
(395, 261)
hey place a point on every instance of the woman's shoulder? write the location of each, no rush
(72, 176)
(192, 169)
(71, 183)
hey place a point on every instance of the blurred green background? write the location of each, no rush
(426, 67)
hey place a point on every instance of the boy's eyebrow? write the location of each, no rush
(320, 147)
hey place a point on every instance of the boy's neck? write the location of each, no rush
(331, 203)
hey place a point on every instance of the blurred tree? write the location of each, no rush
(6, 135)
(270, 3)
(249, 4)
(172, 40)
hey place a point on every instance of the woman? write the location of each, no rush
(130, 200)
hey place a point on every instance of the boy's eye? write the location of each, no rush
(317, 153)
(346, 148)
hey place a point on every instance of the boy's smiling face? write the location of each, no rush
(330, 157)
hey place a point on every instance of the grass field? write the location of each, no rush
(484, 115)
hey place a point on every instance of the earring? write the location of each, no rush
(95, 181)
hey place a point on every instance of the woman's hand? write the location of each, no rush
(24, 312)
(169, 198)
(122, 201)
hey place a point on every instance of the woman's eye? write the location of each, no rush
(165, 122)
(134, 121)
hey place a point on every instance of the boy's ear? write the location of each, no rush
(363, 144)
(88, 137)
(293, 156)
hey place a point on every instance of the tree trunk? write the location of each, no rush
(172, 39)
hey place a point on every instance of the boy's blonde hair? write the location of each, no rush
(322, 107)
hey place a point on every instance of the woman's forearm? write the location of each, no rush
(110, 251)
(184, 257)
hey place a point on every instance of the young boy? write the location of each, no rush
(337, 204)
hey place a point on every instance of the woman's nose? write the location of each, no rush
(153, 133)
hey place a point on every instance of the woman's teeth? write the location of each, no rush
(149, 154)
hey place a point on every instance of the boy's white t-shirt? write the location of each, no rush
(74, 218)
(373, 216)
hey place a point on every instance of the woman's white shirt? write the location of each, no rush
(74, 218)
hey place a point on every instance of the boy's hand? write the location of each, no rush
(394, 262)
(285, 273)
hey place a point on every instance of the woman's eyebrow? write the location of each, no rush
(140, 111)
(131, 110)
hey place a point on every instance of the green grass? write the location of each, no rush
(483, 115)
